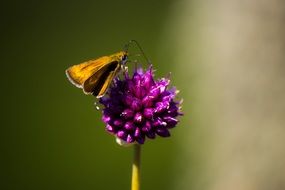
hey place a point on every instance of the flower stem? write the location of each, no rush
(136, 168)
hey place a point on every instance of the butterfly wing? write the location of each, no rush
(78, 74)
(99, 82)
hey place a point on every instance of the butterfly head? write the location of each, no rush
(122, 57)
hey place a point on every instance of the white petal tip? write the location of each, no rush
(122, 142)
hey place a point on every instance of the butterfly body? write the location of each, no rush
(95, 76)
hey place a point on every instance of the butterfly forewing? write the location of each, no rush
(78, 74)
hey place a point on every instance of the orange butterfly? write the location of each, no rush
(95, 76)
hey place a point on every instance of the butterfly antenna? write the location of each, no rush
(140, 48)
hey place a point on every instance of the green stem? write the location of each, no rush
(136, 168)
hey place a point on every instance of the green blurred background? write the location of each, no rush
(226, 57)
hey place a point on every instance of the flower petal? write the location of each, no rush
(130, 139)
(148, 113)
(127, 113)
(129, 125)
(163, 132)
(121, 134)
(138, 117)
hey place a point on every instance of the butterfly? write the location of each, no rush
(95, 76)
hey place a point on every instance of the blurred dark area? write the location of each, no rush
(52, 137)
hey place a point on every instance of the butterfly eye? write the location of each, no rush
(124, 58)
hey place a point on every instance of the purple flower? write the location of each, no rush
(138, 107)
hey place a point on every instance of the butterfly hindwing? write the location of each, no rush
(99, 82)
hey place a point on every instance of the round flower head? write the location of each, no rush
(138, 107)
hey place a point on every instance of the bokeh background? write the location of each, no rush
(227, 57)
